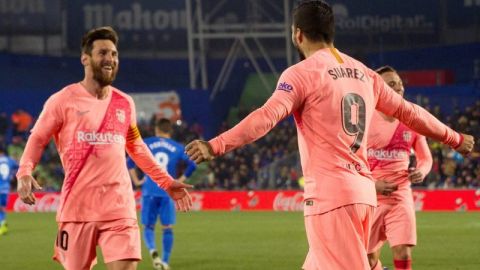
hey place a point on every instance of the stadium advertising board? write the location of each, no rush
(162, 25)
(140, 24)
(425, 200)
(383, 22)
(357, 17)
(29, 17)
(162, 104)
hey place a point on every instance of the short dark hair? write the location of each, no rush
(315, 19)
(164, 125)
(105, 32)
(385, 69)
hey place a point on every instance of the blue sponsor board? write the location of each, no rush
(141, 24)
(30, 17)
(156, 25)
(386, 16)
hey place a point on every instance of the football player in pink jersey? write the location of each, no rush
(389, 145)
(332, 98)
(93, 124)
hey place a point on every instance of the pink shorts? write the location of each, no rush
(395, 223)
(338, 239)
(75, 246)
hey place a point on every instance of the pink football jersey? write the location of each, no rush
(332, 97)
(389, 147)
(91, 136)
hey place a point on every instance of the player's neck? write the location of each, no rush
(94, 89)
(312, 47)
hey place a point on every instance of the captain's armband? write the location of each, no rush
(133, 134)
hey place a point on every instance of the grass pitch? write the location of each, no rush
(249, 240)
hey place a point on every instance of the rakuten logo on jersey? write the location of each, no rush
(382, 154)
(99, 138)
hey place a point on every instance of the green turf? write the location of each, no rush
(250, 240)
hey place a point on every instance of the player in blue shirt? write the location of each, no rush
(155, 201)
(7, 168)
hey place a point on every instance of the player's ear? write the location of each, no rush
(84, 59)
(298, 35)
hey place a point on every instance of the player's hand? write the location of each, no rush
(182, 179)
(415, 175)
(141, 182)
(467, 145)
(385, 188)
(24, 189)
(178, 192)
(199, 151)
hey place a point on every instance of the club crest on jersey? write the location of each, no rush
(120, 115)
(284, 87)
(407, 136)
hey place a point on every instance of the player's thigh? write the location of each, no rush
(377, 231)
(167, 212)
(75, 245)
(400, 225)
(149, 210)
(119, 240)
(338, 239)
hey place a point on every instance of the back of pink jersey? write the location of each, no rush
(332, 97)
(90, 136)
(332, 122)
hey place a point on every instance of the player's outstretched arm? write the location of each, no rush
(289, 95)
(418, 119)
(466, 146)
(199, 151)
(144, 159)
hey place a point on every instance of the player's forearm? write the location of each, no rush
(191, 167)
(424, 156)
(421, 121)
(134, 177)
(253, 127)
(31, 154)
(144, 159)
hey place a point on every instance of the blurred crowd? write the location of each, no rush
(269, 163)
(450, 169)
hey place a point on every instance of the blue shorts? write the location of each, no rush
(3, 199)
(153, 207)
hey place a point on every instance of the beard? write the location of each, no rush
(301, 55)
(103, 78)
